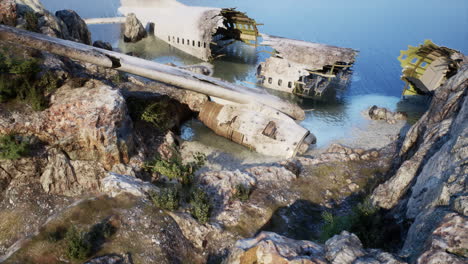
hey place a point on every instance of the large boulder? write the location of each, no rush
(8, 13)
(77, 28)
(67, 177)
(114, 184)
(89, 124)
(271, 248)
(133, 30)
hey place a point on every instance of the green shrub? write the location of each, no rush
(149, 111)
(31, 21)
(18, 80)
(175, 169)
(200, 206)
(12, 148)
(78, 245)
(242, 192)
(167, 198)
(364, 221)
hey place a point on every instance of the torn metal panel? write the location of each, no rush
(427, 67)
(200, 31)
(304, 68)
(259, 128)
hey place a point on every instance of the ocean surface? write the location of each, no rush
(378, 29)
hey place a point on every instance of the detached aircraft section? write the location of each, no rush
(297, 67)
(428, 66)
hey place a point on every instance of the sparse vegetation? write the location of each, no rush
(31, 21)
(18, 80)
(200, 206)
(149, 111)
(175, 169)
(242, 192)
(364, 221)
(167, 198)
(11, 147)
(78, 245)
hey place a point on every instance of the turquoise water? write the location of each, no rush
(378, 29)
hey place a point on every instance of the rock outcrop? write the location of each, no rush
(429, 183)
(271, 248)
(380, 113)
(8, 12)
(433, 153)
(114, 184)
(102, 45)
(86, 123)
(67, 177)
(77, 28)
(133, 30)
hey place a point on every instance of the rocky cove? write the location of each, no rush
(103, 176)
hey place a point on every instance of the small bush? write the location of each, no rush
(149, 111)
(200, 206)
(12, 148)
(31, 21)
(242, 192)
(78, 246)
(175, 169)
(167, 198)
(364, 221)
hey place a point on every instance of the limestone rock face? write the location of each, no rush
(380, 113)
(89, 124)
(433, 153)
(133, 30)
(8, 12)
(448, 242)
(114, 184)
(268, 247)
(77, 28)
(70, 177)
(271, 248)
(344, 248)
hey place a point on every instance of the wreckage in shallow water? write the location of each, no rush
(297, 67)
(427, 67)
(304, 68)
(203, 32)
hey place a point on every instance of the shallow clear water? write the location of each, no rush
(378, 29)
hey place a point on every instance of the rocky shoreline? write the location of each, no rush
(103, 148)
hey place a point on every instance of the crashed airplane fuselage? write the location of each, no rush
(200, 31)
(304, 68)
(297, 67)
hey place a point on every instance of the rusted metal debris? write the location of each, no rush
(428, 66)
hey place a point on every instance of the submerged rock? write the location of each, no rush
(77, 28)
(133, 30)
(380, 113)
